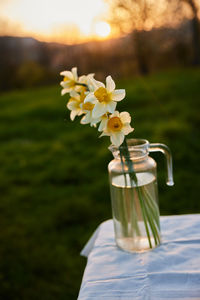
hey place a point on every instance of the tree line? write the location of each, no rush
(26, 62)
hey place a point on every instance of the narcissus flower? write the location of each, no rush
(69, 81)
(103, 122)
(74, 104)
(97, 102)
(88, 119)
(117, 126)
(84, 83)
(103, 97)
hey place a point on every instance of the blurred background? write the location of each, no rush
(53, 179)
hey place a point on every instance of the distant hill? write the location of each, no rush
(120, 57)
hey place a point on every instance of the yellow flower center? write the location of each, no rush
(88, 106)
(115, 124)
(102, 95)
(104, 116)
(76, 102)
(66, 78)
(71, 82)
(82, 89)
(82, 96)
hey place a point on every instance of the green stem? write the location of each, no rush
(152, 226)
(144, 216)
(148, 216)
(134, 220)
(124, 203)
(152, 216)
(84, 85)
(123, 169)
(125, 152)
(152, 206)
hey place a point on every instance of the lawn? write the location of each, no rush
(54, 181)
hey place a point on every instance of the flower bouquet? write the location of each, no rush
(132, 172)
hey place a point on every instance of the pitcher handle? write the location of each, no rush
(166, 151)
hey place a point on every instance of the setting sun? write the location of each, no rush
(61, 20)
(102, 29)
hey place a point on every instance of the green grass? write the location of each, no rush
(54, 182)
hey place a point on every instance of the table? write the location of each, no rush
(170, 271)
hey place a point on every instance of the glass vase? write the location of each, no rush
(134, 194)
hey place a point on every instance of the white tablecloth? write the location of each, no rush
(170, 271)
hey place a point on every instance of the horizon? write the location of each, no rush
(67, 22)
(59, 22)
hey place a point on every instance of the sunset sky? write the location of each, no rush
(54, 20)
(72, 21)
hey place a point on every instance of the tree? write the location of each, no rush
(189, 9)
(195, 9)
(137, 16)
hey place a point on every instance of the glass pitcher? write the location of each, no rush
(134, 194)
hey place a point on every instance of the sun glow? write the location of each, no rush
(53, 20)
(102, 29)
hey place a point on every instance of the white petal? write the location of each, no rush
(103, 134)
(111, 106)
(95, 84)
(73, 114)
(127, 129)
(90, 98)
(99, 84)
(83, 120)
(80, 112)
(74, 94)
(95, 121)
(64, 84)
(82, 79)
(72, 105)
(118, 95)
(125, 117)
(74, 72)
(110, 84)
(115, 114)
(99, 110)
(86, 119)
(90, 85)
(67, 74)
(117, 138)
(103, 124)
(89, 76)
(64, 91)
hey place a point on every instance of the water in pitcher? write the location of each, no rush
(128, 205)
